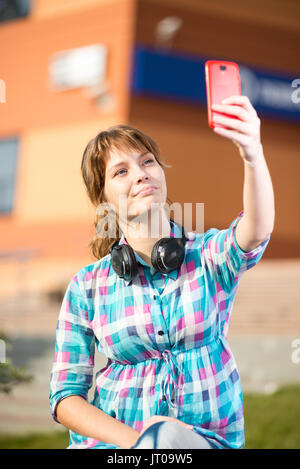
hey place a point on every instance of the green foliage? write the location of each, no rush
(9, 375)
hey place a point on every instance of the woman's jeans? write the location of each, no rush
(170, 435)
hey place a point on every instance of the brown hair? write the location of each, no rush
(121, 137)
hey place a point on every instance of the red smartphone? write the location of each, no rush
(222, 80)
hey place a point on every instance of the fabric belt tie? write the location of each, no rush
(174, 373)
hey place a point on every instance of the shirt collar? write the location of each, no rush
(175, 231)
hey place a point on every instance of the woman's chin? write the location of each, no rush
(142, 206)
(138, 213)
(145, 207)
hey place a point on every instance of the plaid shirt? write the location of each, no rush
(165, 337)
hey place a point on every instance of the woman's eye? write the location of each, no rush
(150, 160)
(118, 172)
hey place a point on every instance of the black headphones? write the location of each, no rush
(167, 254)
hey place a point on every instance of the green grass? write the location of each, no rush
(51, 440)
(271, 422)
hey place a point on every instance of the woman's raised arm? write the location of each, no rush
(258, 195)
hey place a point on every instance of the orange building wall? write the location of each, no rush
(52, 213)
(52, 8)
(26, 47)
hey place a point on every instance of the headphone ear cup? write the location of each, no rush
(156, 254)
(167, 254)
(130, 262)
(124, 262)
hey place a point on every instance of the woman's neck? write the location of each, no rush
(142, 234)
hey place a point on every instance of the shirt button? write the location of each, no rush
(154, 297)
(161, 332)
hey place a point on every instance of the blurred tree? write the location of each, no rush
(9, 375)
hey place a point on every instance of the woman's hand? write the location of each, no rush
(243, 131)
(161, 418)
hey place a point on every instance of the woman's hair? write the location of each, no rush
(120, 137)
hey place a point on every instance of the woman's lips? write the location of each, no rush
(147, 191)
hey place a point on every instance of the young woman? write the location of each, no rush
(158, 306)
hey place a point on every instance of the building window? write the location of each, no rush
(8, 165)
(12, 9)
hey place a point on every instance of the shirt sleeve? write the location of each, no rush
(72, 369)
(224, 258)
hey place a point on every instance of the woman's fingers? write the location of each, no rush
(234, 124)
(163, 418)
(241, 125)
(240, 138)
(243, 101)
(231, 110)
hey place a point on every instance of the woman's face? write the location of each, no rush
(136, 178)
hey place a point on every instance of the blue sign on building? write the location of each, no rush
(172, 75)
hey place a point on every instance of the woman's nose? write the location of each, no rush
(141, 175)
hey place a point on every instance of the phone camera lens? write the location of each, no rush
(223, 67)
